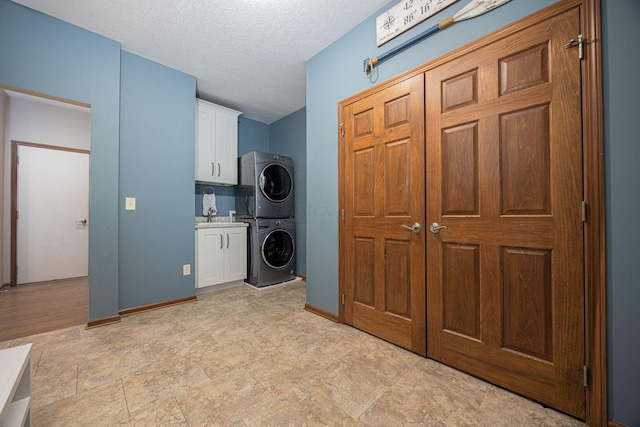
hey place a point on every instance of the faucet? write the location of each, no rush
(209, 213)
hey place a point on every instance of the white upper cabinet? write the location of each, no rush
(216, 144)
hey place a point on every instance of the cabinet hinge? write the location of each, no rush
(584, 211)
(586, 372)
(341, 126)
(579, 41)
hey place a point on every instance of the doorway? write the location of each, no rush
(51, 136)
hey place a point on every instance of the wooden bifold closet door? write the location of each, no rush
(505, 288)
(484, 151)
(383, 188)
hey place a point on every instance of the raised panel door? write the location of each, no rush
(505, 286)
(382, 263)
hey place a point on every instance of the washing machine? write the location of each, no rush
(272, 251)
(265, 186)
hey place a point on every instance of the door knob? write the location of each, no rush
(82, 222)
(435, 228)
(416, 227)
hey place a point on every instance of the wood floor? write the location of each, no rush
(41, 307)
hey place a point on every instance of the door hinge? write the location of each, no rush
(579, 41)
(342, 299)
(586, 372)
(17, 214)
(343, 214)
(584, 211)
(341, 126)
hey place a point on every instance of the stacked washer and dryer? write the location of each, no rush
(265, 201)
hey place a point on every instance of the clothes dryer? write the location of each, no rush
(266, 186)
(272, 251)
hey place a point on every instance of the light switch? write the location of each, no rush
(186, 269)
(130, 203)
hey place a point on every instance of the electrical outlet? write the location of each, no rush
(186, 270)
(130, 203)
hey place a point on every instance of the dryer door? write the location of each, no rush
(275, 183)
(277, 249)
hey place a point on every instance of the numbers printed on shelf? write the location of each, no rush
(409, 18)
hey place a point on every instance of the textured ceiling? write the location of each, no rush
(246, 54)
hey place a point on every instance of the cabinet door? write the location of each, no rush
(226, 135)
(210, 262)
(235, 253)
(205, 142)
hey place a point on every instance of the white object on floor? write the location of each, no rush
(15, 386)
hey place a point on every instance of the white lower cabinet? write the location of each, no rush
(221, 255)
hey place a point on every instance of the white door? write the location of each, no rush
(53, 200)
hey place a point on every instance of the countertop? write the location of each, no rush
(218, 222)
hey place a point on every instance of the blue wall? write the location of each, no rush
(142, 145)
(288, 137)
(225, 199)
(252, 136)
(45, 55)
(622, 152)
(157, 148)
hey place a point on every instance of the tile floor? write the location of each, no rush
(243, 357)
